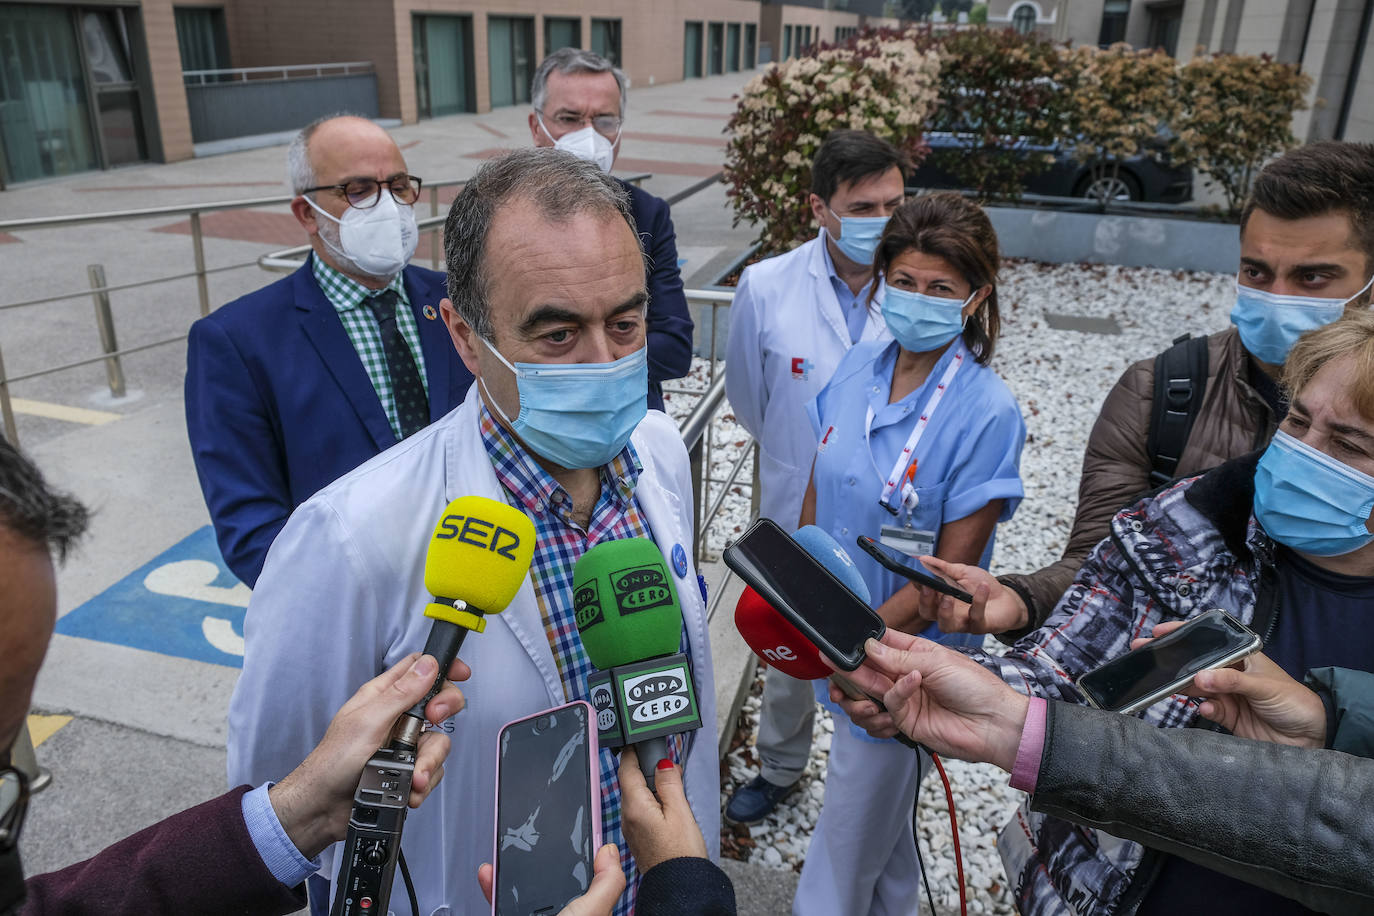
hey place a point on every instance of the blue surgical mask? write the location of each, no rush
(578, 415)
(1270, 324)
(921, 323)
(1309, 501)
(859, 236)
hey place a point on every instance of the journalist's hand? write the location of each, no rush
(657, 828)
(608, 883)
(995, 608)
(943, 699)
(314, 801)
(1256, 699)
(866, 714)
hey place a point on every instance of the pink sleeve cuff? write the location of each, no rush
(1026, 770)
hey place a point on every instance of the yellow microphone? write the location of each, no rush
(477, 560)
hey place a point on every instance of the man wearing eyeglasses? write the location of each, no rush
(579, 106)
(247, 851)
(296, 384)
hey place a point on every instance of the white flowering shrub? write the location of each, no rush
(882, 82)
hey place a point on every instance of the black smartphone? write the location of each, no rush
(798, 586)
(903, 565)
(1165, 666)
(548, 811)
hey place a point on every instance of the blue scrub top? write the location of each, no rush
(969, 455)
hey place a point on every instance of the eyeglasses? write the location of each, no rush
(363, 193)
(14, 804)
(567, 122)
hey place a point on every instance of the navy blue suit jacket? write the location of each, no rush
(669, 323)
(278, 404)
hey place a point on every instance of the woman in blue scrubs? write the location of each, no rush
(920, 447)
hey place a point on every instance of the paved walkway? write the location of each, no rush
(148, 651)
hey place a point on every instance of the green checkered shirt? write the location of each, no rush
(349, 297)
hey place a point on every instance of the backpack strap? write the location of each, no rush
(1180, 382)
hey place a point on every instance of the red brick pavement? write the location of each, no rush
(246, 226)
(173, 187)
(673, 138)
(5, 238)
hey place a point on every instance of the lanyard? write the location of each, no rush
(905, 468)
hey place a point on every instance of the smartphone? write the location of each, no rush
(548, 810)
(903, 565)
(1165, 666)
(834, 619)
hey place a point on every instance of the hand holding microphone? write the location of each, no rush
(629, 617)
(313, 802)
(477, 560)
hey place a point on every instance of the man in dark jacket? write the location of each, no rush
(298, 383)
(1306, 256)
(579, 106)
(248, 851)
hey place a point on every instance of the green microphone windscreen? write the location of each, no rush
(480, 553)
(626, 603)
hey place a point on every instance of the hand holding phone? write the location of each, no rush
(548, 810)
(831, 617)
(895, 561)
(1166, 666)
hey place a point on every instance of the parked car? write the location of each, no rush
(1141, 177)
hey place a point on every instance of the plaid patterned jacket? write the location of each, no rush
(1193, 547)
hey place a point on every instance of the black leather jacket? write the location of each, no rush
(1293, 821)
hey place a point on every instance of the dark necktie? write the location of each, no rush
(412, 407)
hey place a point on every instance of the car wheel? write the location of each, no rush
(1122, 187)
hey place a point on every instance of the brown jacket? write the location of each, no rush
(1234, 419)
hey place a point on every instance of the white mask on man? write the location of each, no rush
(378, 241)
(585, 144)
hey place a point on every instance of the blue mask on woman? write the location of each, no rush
(1270, 324)
(921, 323)
(578, 415)
(1309, 501)
(859, 236)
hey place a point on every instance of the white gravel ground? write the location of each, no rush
(1060, 379)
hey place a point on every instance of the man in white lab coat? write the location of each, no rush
(793, 318)
(544, 270)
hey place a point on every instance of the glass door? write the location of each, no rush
(691, 50)
(45, 116)
(510, 52)
(443, 65)
(105, 37)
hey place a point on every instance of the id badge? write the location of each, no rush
(913, 542)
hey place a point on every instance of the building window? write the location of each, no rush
(443, 65)
(510, 58)
(751, 38)
(606, 39)
(691, 50)
(732, 47)
(202, 38)
(1114, 13)
(1164, 27)
(560, 32)
(1023, 19)
(786, 42)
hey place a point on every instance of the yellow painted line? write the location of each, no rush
(41, 728)
(63, 412)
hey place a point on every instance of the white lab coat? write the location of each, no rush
(341, 598)
(787, 335)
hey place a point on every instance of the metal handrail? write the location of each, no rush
(241, 74)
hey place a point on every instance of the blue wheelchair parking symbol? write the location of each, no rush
(185, 603)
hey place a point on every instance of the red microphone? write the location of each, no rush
(775, 640)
